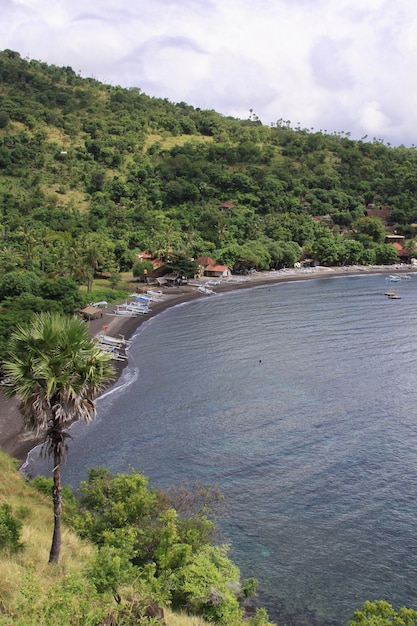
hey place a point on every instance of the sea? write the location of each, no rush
(299, 401)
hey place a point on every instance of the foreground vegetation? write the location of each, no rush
(124, 545)
(56, 370)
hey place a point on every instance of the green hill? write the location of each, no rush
(132, 172)
(93, 174)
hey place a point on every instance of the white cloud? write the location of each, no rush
(346, 65)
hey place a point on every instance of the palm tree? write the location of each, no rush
(56, 370)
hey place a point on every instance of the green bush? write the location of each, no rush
(10, 528)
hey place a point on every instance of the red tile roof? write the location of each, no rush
(205, 260)
(216, 268)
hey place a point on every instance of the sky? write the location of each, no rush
(339, 66)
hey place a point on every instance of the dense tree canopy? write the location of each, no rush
(92, 174)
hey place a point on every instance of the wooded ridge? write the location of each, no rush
(92, 174)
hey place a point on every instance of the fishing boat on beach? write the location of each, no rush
(137, 307)
(155, 294)
(118, 342)
(123, 311)
(206, 290)
(115, 346)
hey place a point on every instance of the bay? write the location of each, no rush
(299, 400)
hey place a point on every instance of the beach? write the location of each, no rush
(17, 442)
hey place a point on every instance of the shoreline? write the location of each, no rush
(17, 442)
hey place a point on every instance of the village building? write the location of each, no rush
(217, 271)
(90, 313)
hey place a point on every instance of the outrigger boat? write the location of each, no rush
(205, 290)
(155, 294)
(114, 353)
(121, 310)
(115, 342)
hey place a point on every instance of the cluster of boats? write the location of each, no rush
(140, 305)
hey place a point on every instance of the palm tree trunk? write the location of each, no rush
(57, 501)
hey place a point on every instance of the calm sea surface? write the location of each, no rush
(300, 401)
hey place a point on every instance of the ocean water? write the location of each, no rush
(300, 401)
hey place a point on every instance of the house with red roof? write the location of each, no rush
(217, 271)
(209, 267)
(226, 206)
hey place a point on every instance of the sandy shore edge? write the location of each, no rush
(17, 442)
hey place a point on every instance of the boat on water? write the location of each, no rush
(393, 278)
(393, 296)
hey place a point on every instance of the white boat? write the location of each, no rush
(101, 304)
(121, 310)
(118, 342)
(114, 353)
(156, 294)
(137, 307)
(205, 290)
(393, 278)
(140, 297)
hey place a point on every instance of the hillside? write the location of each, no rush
(33, 592)
(92, 174)
(130, 172)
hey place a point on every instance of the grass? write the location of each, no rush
(169, 141)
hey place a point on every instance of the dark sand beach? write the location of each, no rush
(17, 442)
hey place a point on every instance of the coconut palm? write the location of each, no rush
(55, 370)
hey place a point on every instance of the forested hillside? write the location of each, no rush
(91, 174)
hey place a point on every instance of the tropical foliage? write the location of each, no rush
(382, 613)
(107, 579)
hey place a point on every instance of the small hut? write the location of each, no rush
(91, 313)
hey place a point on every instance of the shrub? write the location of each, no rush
(10, 528)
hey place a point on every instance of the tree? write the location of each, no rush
(371, 226)
(386, 254)
(56, 370)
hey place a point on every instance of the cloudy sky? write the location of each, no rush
(331, 65)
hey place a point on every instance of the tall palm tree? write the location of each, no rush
(56, 370)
